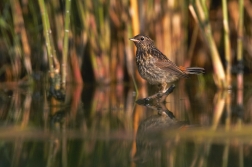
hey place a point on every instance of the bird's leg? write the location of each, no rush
(163, 87)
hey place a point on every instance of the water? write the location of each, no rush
(103, 126)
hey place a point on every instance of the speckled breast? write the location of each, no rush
(150, 72)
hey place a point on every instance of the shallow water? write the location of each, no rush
(103, 126)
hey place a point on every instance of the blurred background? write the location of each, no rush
(68, 83)
(92, 38)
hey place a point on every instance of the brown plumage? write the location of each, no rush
(155, 67)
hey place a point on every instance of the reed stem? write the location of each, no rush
(227, 43)
(47, 32)
(203, 20)
(136, 28)
(20, 32)
(240, 44)
(65, 44)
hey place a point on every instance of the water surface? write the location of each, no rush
(103, 126)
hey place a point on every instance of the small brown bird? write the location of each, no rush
(155, 67)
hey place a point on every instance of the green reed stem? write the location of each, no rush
(47, 32)
(135, 85)
(227, 43)
(240, 31)
(5, 28)
(65, 44)
(104, 39)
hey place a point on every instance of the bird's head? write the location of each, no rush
(142, 41)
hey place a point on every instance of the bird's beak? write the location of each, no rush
(134, 40)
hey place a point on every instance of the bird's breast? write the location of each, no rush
(148, 69)
(143, 60)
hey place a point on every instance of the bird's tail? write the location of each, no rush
(195, 70)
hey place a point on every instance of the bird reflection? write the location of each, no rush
(149, 134)
(158, 97)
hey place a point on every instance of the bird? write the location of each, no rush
(155, 67)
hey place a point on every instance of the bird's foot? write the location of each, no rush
(158, 97)
(162, 95)
(169, 90)
(144, 101)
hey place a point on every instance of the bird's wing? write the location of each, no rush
(170, 67)
(165, 64)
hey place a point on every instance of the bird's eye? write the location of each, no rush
(142, 38)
